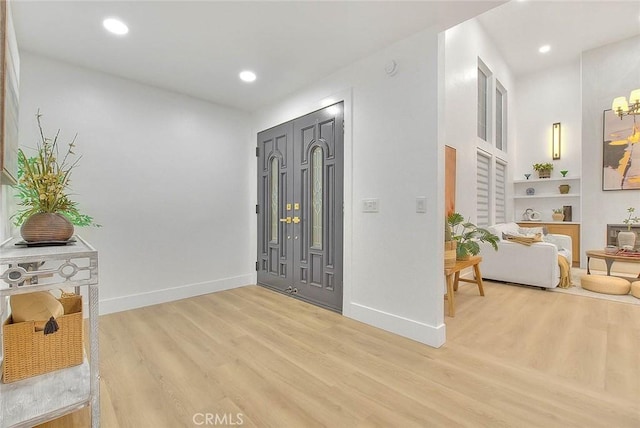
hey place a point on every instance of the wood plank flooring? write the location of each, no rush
(518, 357)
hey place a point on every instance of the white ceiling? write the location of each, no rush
(198, 48)
(519, 28)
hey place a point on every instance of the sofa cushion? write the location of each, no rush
(550, 238)
(504, 228)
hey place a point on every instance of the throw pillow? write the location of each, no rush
(530, 231)
(39, 306)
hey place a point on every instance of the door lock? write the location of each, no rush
(296, 220)
(286, 220)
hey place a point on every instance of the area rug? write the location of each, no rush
(579, 291)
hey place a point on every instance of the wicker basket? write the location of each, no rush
(29, 353)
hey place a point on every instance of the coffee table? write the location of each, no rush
(609, 259)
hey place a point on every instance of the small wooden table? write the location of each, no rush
(452, 275)
(609, 259)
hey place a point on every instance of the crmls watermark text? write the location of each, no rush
(219, 419)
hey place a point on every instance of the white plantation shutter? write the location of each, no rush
(500, 197)
(483, 188)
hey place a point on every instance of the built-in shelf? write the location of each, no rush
(546, 180)
(547, 195)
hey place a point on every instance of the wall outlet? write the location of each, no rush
(421, 204)
(370, 206)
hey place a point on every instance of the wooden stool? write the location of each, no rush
(453, 278)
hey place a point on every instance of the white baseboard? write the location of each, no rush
(423, 333)
(132, 301)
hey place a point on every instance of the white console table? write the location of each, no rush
(38, 399)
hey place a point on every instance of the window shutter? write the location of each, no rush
(501, 205)
(482, 189)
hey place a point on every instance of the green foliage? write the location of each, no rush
(43, 182)
(558, 210)
(469, 235)
(631, 219)
(543, 166)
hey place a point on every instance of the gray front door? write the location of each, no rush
(300, 207)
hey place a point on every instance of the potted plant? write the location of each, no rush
(543, 169)
(47, 214)
(558, 214)
(468, 235)
(627, 240)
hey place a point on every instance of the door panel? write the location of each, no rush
(308, 251)
(318, 142)
(274, 190)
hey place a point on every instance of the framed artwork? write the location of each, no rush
(620, 152)
(9, 72)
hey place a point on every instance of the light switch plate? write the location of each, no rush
(421, 204)
(370, 206)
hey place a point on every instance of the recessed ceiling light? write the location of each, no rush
(115, 26)
(544, 49)
(247, 76)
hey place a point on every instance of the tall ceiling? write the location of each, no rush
(199, 47)
(519, 28)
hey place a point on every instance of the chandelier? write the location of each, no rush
(622, 108)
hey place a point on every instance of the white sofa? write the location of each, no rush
(535, 265)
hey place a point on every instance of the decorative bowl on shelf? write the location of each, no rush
(531, 191)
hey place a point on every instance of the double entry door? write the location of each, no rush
(300, 207)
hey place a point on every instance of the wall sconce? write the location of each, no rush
(555, 138)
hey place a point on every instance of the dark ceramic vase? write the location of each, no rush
(46, 227)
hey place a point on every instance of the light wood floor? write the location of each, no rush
(518, 357)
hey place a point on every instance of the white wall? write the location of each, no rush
(546, 97)
(393, 259)
(165, 174)
(607, 72)
(464, 44)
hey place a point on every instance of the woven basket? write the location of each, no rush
(544, 173)
(29, 353)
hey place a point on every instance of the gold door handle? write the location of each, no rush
(286, 220)
(296, 219)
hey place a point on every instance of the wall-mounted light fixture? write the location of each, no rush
(621, 107)
(555, 138)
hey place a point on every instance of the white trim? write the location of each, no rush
(133, 301)
(418, 331)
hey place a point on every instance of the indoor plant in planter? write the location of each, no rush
(558, 214)
(47, 215)
(627, 240)
(468, 235)
(544, 169)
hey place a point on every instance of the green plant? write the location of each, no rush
(558, 211)
(543, 166)
(43, 181)
(631, 220)
(469, 235)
